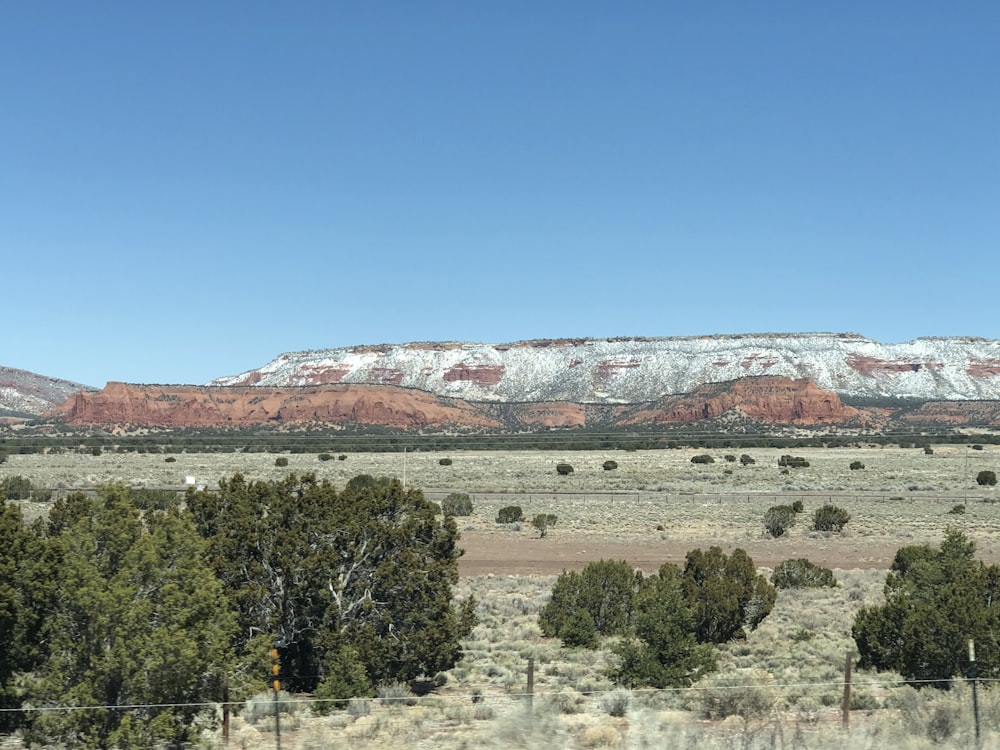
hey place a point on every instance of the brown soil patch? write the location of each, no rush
(529, 555)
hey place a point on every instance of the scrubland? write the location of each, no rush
(780, 688)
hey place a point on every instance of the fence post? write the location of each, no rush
(975, 682)
(847, 693)
(531, 686)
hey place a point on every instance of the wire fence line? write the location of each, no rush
(504, 695)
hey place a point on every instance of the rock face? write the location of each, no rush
(770, 400)
(636, 370)
(202, 406)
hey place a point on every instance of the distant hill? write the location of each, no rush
(731, 381)
(26, 395)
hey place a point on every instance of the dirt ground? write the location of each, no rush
(531, 555)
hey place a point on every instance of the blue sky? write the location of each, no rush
(190, 189)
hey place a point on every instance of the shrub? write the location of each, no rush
(395, 694)
(444, 461)
(935, 599)
(855, 465)
(169, 460)
(957, 510)
(730, 458)
(609, 465)
(977, 447)
(457, 504)
(778, 519)
(342, 457)
(564, 469)
(325, 457)
(16, 487)
(702, 458)
(986, 478)
(727, 594)
(603, 591)
(794, 462)
(830, 518)
(751, 698)
(928, 451)
(801, 574)
(543, 522)
(746, 460)
(281, 461)
(510, 514)
(616, 704)
(797, 506)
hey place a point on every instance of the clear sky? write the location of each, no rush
(189, 189)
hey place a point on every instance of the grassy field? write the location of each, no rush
(781, 688)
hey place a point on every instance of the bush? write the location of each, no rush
(281, 461)
(730, 458)
(543, 522)
(986, 478)
(16, 487)
(616, 704)
(957, 510)
(746, 460)
(510, 514)
(169, 460)
(928, 451)
(325, 457)
(794, 462)
(702, 458)
(457, 504)
(830, 518)
(855, 465)
(977, 447)
(778, 519)
(600, 598)
(729, 597)
(342, 457)
(797, 506)
(935, 600)
(564, 469)
(801, 574)
(609, 465)
(444, 461)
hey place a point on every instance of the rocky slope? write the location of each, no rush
(25, 394)
(635, 370)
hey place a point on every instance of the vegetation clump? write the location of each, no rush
(800, 573)
(510, 514)
(830, 518)
(444, 462)
(855, 465)
(281, 461)
(457, 504)
(702, 458)
(935, 601)
(747, 459)
(609, 465)
(986, 478)
(564, 469)
(542, 522)
(793, 462)
(778, 519)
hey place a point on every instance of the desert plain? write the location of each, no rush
(781, 688)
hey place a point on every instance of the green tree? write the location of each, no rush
(138, 620)
(361, 576)
(935, 600)
(604, 590)
(727, 594)
(986, 478)
(665, 652)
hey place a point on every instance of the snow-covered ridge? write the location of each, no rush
(631, 370)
